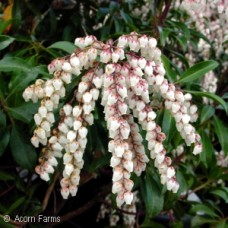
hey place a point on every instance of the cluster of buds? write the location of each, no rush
(128, 212)
(209, 83)
(222, 159)
(141, 10)
(208, 16)
(124, 76)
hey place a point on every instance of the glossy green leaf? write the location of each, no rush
(64, 46)
(4, 139)
(4, 25)
(15, 205)
(199, 35)
(5, 224)
(201, 208)
(5, 41)
(208, 150)
(2, 118)
(8, 64)
(169, 72)
(150, 224)
(211, 96)
(200, 220)
(182, 40)
(222, 224)
(222, 134)
(4, 133)
(168, 125)
(206, 113)
(152, 197)
(221, 192)
(163, 34)
(6, 176)
(22, 150)
(24, 112)
(23, 79)
(197, 71)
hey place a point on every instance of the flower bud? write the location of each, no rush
(128, 197)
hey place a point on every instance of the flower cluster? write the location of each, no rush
(222, 159)
(124, 76)
(208, 17)
(128, 212)
(209, 83)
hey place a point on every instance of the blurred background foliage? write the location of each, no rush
(32, 33)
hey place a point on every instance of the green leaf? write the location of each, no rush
(22, 150)
(206, 113)
(6, 176)
(199, 35)
(4, 133)
(168, 125)
(98, 163)
(200, 208)
(200, 220)
(4, 25)
(64, 46)
(8, 64)
(169, 72)
(208, 150)
(221, 192)
(181, 179)
(222, 224)
(15, 205)
(182, 40)
(197, 71)
(163, 34)
(23, 79)
(5, 41)
(128, 20)
(152, 196)
(149, 224)
(4, 139)
(25, 112)
(2, 118)
(4, 224)
(211, 96)
(222, 133)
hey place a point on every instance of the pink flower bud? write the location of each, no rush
(69, 169)
(128, 184)
(170, 172)
(74, 61)
(45, 176)
(35, 141)
(197, 149)
(128, 197)
(127, 155)
(73, 190)
(117, 174)
(66, 77)
(185, 118)
(122, 41)
(114, 161)
(119, 150)
(66, 67)
(117, 187)
(128, 165)
(82, 87)
(65, 192)
(152, 42)
(67, 158)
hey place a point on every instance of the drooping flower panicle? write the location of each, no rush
(124, 76)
